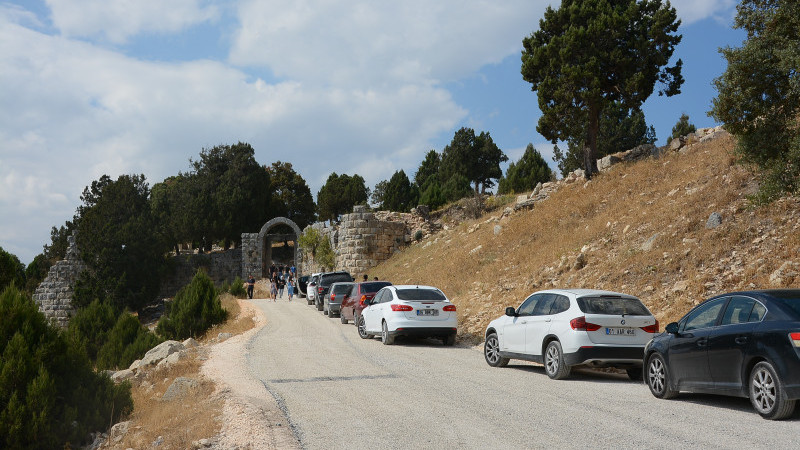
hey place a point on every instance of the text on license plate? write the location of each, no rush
(427, 312)
(621, 331)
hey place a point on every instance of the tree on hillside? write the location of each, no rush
(759, 93)
(526, 173)
(12, 271)
(400, 194)
(588, 54)
(376, 196)
(682, 127)
(292, 197)
(620, 129)
(237, 190)
(178, 208)
(475, 158)
(428, 181)
(339, 195)
(118, 240)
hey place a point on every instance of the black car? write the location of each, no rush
(326, 279)
(302, 283)
(744, 344)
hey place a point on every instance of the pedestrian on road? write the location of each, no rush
(281, 285)
(365, 278)
(251, 284)
(273, 288)
(290, 287)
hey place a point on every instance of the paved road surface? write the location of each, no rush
(340, 391)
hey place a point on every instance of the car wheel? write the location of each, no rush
(309, 301)
(634, 373)
(386, 338)
(657, 377)
(491, 351)
(449, 340)
(342, 318)
(319, 306)
(362, 329)
(767, 394)
(554, 362)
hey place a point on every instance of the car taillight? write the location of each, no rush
(651, 328)
(795, 337)
(320, 289)
(449, 308)
(402, 308)
(363, 299)
(580, 323)
(333, 296)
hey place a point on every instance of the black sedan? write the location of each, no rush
(744, 344)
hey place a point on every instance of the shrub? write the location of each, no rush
(195, 309)
(50, 397)
(90, 326)
(418, 235)
(127, 342)
(237, 288)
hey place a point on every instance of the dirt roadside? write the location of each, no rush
(251, 417)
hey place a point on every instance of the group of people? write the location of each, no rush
(281, 279)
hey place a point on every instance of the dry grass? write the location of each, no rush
(608, 220)
(179, 422)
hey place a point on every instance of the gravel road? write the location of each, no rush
(339, 391)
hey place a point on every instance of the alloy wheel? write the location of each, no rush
(491, 350)
(763, 391)
(551, 359)
(656, 375)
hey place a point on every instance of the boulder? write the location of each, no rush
(180, 388)
(159, 352)
(122, 375)
(714, 220)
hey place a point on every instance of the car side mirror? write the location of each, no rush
(672, 328)
(511, 312)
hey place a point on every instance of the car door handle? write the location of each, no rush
(741, 340)
(702, 342)
(523, 322)
(548, 319)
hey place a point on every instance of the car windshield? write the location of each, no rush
(370, 288)
(791, 302)
(342, 288)
(612, 306)
(421, 294)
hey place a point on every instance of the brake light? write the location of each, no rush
(449, 308)
(402, 308)
(320, 289)
(651, 328)
(795, 337)
(333, 296)
(363, 299)
(580, 324)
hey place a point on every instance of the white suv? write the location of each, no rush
(562, 328)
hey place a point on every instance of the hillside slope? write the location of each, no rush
(639, 228)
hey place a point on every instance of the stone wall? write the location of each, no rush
(220, 266)
(251, 256)
(54, 294)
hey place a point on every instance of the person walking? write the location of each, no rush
(281, 284)
(273, 288)
(290, 286)
(251, 284)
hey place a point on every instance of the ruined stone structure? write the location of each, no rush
(220, 266)
(257, 248)
(54, 294)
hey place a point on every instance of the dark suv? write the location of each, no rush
(355, 302)
(324, 284)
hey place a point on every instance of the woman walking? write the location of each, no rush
(273, 288)
(290, 286)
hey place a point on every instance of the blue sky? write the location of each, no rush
(93, 87)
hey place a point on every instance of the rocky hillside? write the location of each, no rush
(672, 230)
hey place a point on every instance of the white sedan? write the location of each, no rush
(562, 328)
(419, 311)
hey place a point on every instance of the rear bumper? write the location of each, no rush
(606, 356)
(424, 332)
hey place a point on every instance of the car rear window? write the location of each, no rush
(342, 288)
(369, 288)
(328, 280)
(789, 301)
(612, 306)
(421, 294)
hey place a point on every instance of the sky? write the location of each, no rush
(94, 87)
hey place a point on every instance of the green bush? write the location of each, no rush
(127, 342)
(50, 397)
(194, 310)
(90, 326)
(237, 288)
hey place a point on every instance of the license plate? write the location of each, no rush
(620, 331)
(427, 312)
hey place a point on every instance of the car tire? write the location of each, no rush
(554, 364)
(324, 311)
(657, 377)
(342, 318)
(386, 338)
(362, 329)
(449, 340)
(319, 307)
(309, 301)
(635, 373)
(767, 393)
(491, 352)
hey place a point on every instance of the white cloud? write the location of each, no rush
(691, 11)
(118, 20)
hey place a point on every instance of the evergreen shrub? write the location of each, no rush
(195, 309)
(237, 288)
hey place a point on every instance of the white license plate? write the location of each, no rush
(620, 332)
(427, 312)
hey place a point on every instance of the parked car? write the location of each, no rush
(311, 288)
(357, 300)
(302, 285)
(744, 344)
(563, 328)
(326, 279)
(419, 311)
(333, 301)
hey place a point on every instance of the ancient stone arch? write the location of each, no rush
(255, 254)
